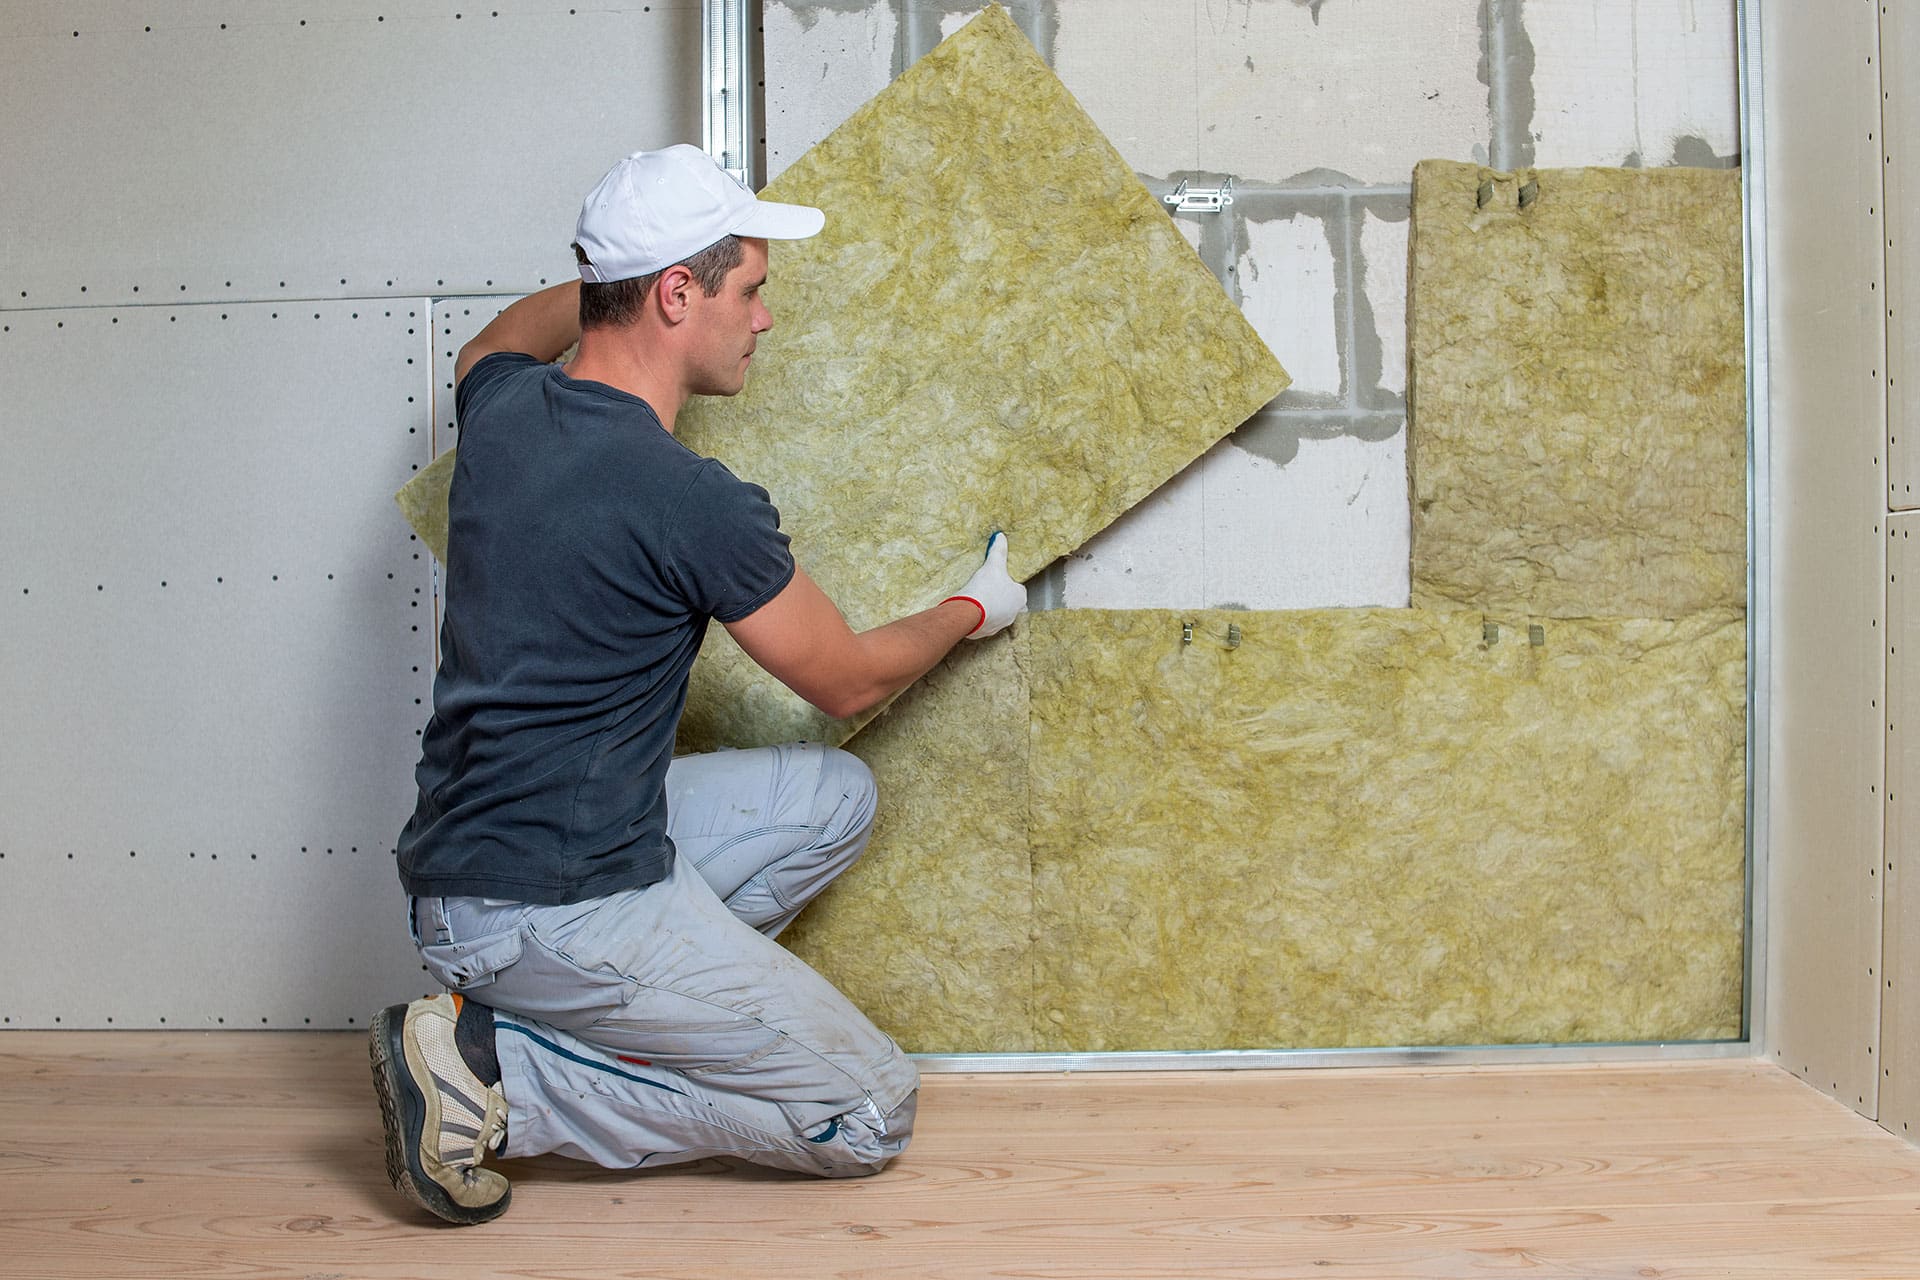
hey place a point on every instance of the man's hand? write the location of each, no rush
(998, 597)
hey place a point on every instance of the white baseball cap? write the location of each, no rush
(656, 208)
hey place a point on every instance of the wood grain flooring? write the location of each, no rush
(257, 1155)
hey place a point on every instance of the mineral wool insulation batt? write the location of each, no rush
(1353, 827)
(1578, 446)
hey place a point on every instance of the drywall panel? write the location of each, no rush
(1378, 827)
(999, 328)
(1826, 339)
(1900, 151)
(218, 660)
(1898, 976)
(1579, 439)
(276, 150)
(930, 933)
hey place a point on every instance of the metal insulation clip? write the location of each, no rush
(1233, 635)
(1187, 198)
(1186, 633)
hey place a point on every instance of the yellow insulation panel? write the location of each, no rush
(423, 501)
(1357, 827)
(929, 933)
(1577, 382)
(1374, 827)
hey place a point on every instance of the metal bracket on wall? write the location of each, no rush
(1187, 198)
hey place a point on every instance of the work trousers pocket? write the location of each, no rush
(473, 965)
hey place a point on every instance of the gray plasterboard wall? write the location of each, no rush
(226, 228)
(1839, 884)
(1899, 971)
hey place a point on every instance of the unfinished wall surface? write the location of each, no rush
(1578, 346)
(1317, 111)
(1351, 827)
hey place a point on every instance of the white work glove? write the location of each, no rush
(998, 597)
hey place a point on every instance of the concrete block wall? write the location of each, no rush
(1318, 110)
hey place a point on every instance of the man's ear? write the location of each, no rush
(676, 286)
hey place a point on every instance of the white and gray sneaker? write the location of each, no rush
(440, 1118)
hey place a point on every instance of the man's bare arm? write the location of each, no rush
(801, 639)
(541, 325)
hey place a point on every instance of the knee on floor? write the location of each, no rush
(870, 1141)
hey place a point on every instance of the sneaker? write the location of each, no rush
(440, 1119)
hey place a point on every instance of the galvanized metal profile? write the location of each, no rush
(728, 108)
(1753, 183)
(1323, 1059)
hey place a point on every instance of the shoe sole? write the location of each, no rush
(402, 1114)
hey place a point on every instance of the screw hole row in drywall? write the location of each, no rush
(220, 579)
(219, 1019)
(459, 16)
(194, 854)
(224, 315)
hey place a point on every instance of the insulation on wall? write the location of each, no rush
(1578, 446)
(931, 933)
(1351, 827)
(1379, 827)
(999, 328)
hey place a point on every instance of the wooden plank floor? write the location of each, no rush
(258, 1155)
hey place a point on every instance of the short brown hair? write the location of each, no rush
(619, 302)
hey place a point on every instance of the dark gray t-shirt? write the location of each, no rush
(586, 550)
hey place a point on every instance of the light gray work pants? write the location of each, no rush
(664, 1024)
